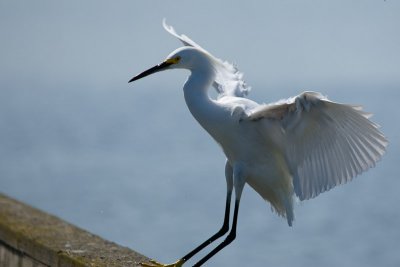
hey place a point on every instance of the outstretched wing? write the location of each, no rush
(326, 143)
(228, 79)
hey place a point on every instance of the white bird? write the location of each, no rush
(299, 147)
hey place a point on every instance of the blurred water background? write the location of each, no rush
(129, 163)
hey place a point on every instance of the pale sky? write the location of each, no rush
(103, 43)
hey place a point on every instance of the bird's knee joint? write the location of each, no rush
(231, 237)
(224, 229)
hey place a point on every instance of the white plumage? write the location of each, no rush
(326, 143)
(301, 146)
(228, 80)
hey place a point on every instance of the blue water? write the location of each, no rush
(134, 167)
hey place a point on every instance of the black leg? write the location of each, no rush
(231, 236)
(224, 229)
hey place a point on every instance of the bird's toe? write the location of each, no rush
(153, 263)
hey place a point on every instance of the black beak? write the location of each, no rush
(152, 70)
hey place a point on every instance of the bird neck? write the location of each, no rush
(197, 98)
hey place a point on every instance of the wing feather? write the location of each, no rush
(326, 143)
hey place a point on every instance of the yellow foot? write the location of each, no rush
(153, 263)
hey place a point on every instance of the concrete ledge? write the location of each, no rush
(32, 238)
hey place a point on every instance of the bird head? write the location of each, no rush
(182, 58)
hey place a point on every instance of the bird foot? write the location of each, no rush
(153, 263)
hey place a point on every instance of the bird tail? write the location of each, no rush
(284, 209)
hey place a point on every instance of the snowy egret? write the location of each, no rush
(299, 147)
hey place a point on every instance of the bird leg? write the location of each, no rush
(224, 229)
(231, 236)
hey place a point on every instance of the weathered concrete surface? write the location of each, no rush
(10, 257)
(30, 237)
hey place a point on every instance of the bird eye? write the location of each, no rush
(178, 58)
